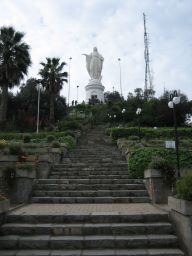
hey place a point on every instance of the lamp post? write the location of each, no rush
(123, 112)
(38, 105)
(138, 113)
(109, 116)
(174, 100)
(120, 76)
(114, 116)
(77, 93)
(69, 80)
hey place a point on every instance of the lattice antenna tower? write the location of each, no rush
(148, 88)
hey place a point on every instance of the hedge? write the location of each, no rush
(117, 133)
(69, 125)
(69, 141)
(42, 135)
(139, 159)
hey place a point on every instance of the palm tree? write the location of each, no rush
(53, 78)
(14, 62)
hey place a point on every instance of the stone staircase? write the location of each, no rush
(95, 172)
(93, 183)
(89, 234)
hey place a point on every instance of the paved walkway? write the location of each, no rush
(46, 209)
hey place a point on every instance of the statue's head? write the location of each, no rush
(95, 49)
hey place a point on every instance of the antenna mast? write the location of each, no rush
(148, 88)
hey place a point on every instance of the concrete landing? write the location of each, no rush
(42, 209)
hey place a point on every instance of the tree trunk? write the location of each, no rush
(3, 105)
(51, 110)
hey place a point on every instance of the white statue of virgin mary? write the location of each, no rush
(94, 63)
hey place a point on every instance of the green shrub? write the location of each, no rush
(11, 136)
(70, 133)
(69, 141)
(184, 187)
(108, 131)
(55, 144)
(165, 167)
(139, 159)
(133, 137)
(37, 140)
(3, 144)
(69, 125)
(26, 138)
(25, 166)
(15, 148)
(34, 136)
(50, 138)
(116, 133)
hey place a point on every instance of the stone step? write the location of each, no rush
(90, 193)
(86, 175)
(96, 153)
(117, 164)
(94, 156)
(95, 159)
(88, 160)
(87, 229)
(97, 146)
(89, 200)
(89, 171)
(88, 242)
(81, 217)
(89, 187)
(89, 182)
(81, 176)
(100, 151)
(97, 166)
(92, 169)
(95, 252)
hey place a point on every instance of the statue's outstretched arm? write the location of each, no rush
(88, 59)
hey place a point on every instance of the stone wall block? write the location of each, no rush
(157, 189)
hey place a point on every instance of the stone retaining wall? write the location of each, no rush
(181, 216)
(42, 161)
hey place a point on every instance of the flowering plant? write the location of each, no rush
(3, 143)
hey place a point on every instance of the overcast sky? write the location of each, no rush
(68, 28)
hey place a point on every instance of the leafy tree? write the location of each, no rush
(22, 108)
(139, 93)
(112, 96)
(149, 94)
(14, 62)
(53, 78)
(165, 114)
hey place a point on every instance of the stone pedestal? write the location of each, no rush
(157, 189)
(94, 89)
(44, 166)
(21, 190)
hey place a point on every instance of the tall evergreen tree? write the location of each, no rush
(53, 78)
(14, 62)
